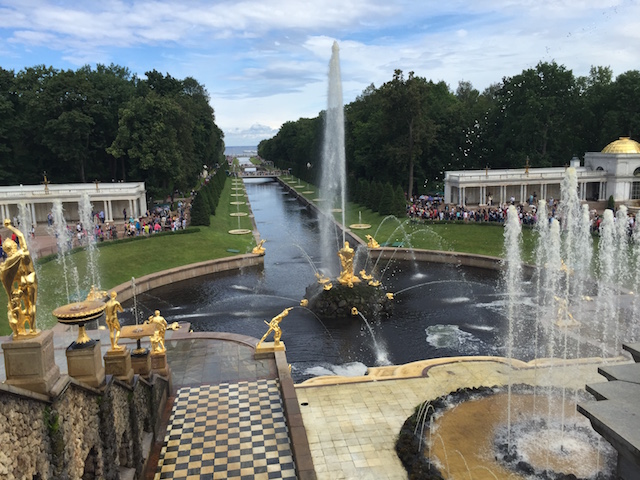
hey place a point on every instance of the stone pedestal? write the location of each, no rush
(85, 363)
(159, 363)
(266, 349)
(118, 364)
(30, 363)
(141, 362)
(160, 366)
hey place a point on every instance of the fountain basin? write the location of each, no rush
(543, 442)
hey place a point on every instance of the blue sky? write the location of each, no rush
(265, 62)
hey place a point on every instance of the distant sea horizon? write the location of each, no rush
(239, 150)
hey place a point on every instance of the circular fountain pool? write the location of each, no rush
(542, 444)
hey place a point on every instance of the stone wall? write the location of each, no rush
(23, 454)
(82, 432)
(77, 410)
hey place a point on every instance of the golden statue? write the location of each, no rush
(346, 255)
(157, 339)
(321, 278)
(389, 296)
(564, 319)
(274, 326)
(21, 284)
(371, 242)
(111, 313)
(259, 249)
(327, 286)
(95, 294)
(364, 276)
(304, 302)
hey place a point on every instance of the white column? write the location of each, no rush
(131, 209)
(3, 209)
(143, 204)
(109, 211)
(523, 195)
(462, 199)
(32, 209)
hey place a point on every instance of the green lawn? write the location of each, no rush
(480, 238)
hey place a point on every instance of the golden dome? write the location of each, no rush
(622, 145)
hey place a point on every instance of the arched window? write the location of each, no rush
(599, 169)
(635, 187)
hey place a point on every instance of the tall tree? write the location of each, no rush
(406, 109)
(535, 116)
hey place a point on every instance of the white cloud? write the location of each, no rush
(265, 62)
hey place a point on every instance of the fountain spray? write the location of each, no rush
(513, 281)
(333, 184)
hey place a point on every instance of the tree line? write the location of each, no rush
(105, 124)
(410, 130)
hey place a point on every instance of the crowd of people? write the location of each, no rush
(432, 208)
(426, 208)
(159, 220)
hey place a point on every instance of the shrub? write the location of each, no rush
(200, 211)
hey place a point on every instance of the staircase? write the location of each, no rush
(615, 414)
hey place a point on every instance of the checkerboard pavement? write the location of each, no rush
(235, 430)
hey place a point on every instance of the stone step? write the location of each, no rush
(629, 372)
(634, 350)
(613, 390)
(618, 421)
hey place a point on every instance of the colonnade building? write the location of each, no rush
(615, 171)
(111, 198)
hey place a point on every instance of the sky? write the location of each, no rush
(266, 62)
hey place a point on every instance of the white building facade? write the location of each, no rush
(613, 172)
(111, 198)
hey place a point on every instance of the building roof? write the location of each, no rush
(622, 145)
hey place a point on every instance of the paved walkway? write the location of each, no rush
(227, 419)
(230, 430)
(352, 426)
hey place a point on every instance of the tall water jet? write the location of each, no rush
(63, 241)
(333, 186)
(606, 281)
(87, 219)
(24, 219)
(513, 282)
